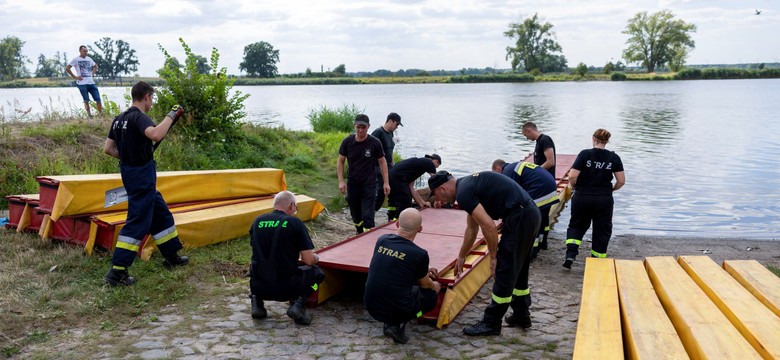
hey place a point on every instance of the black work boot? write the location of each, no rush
(118, 278)
(482, 328)
(396, 332)
(258, 309)
(297, 312)
(518, 319)
(175, 260)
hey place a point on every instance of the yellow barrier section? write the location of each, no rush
(214, 225)
(456, 297)
(333, 284)
(647, 330)
(85, 194)
(752, 319)
(598, 330)
(705, 332)
(757, 279)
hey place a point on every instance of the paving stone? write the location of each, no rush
(358, 355)
(155, 354)
(149, 345)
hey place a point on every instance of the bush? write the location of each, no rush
(211, 114)
(492, 78)
(618, 76)
(339, 120)
(580, 70)
(688, 74)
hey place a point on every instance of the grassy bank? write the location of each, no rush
(48, 288)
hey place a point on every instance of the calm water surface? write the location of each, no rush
(700, 156)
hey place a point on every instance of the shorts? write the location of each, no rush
(88, 89)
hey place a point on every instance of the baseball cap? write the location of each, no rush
(395, 117)
(438, 179)
(434, 157)
(362, 119)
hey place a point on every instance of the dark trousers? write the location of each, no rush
(380, 191)
(147, 213)
(424, 301)
(399, 200)
(584, 210)
(361, 205)
(304, 282)
(513, 258)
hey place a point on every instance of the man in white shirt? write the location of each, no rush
(85, 69)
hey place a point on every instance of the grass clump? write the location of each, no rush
(324, 119)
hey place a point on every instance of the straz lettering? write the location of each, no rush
(271, 224)
(599, 164)
(390, 252)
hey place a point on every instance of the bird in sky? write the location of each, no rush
(758, 12)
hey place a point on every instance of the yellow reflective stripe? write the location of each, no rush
(598, 254)
(419, 313)
(547, 199)
(165, 238)
(522, 165)
(536, 242)
(502, 300)
(315, 287)
(358, 224)
(126, 246)
(518, 292)
(547, 228)
(116, 267)
(573, 241)
(391, 208)
(164, 233)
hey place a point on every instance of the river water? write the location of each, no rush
(700, 157)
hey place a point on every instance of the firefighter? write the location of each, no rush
(278, 239)
(488, 196)
(130, 140)
(402, 177)
(540, 186)
(591, 178)
(400, 285)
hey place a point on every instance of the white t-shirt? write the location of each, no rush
(83, 67)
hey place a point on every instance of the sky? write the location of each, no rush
(380, 34)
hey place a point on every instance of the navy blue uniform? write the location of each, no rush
(541, 186)
(504, 199)
(393, 294)
(277, 240)
(147, 212)
(388, 144)
(361, 178)
(401, 175)
(544, 142)
(592, 200)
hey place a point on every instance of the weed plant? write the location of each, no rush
(324, 119)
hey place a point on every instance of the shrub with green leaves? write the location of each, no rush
(212, 114)
(342, 119)
(618, 76)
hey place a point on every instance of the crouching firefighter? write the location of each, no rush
(278, 239)
(132, 139)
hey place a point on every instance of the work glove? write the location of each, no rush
(176, 112)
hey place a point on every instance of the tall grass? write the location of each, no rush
(342, 119)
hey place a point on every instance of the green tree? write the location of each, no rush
(609, 67)
(202, 65)
(341, 69)
(260, 60)
(171, 63)
(12, 62)
(113, 58)
(656, 39)
(51, 67)
(554, 63)
(535, 43)
(213, 112)
(580, 70)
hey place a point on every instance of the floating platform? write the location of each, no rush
(441, 236)
(677, 309)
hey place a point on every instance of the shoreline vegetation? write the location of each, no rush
(712, 73)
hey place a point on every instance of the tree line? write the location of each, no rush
(654, 40)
